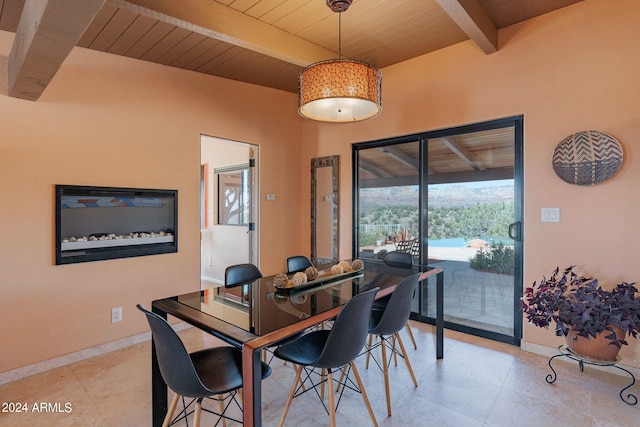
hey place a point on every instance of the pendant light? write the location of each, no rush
(340, 90)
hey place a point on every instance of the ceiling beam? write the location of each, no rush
(373, 169)
(474, 21)
(223, 23)
(47, 32)
(461, 151)
(401, 156)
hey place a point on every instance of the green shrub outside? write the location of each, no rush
(368, 239)
(498, 258)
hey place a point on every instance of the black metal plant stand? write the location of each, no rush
(629, 399)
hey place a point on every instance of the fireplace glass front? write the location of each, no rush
(99, 223)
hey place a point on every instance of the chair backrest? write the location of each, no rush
(349, 332)
(411, 246)
(173, 359)
(298, 263)
(398, 259)
(240, 274)
(398, 309)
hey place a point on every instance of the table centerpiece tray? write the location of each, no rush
(324, 277)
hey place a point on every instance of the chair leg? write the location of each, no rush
(221, 404)
(363, 393)
(171, 410)
(300, 380)
(393, 350)
(198, 413)
(406, 358)
(369, 352)
(291, 393)
(385, 368)
(410, 332)
(323, 376)
(340, 380)
(332, 403)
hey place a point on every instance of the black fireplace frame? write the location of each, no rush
(131, 247)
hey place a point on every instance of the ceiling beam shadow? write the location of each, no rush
(474, 21)
(47, 32)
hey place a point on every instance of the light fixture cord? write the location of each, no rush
(339, 35)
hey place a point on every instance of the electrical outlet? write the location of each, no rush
(116, 314)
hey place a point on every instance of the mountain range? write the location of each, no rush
(439, 196)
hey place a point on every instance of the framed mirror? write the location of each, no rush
(324, 210)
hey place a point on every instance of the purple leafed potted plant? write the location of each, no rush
(583, 311)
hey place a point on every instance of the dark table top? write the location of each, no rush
(260, 308)
(243, 313)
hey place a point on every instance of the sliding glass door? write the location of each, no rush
(453, 199)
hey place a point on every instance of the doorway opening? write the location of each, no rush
(228, 207)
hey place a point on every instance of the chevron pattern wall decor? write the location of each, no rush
(587, 158)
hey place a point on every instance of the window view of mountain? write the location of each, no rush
(443, 195)
(468, 210)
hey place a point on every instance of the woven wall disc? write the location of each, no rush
(587, 158)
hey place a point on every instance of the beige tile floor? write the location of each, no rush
(479, 383)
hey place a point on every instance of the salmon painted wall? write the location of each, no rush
(112, 121)
(109, 120)
(567, 71)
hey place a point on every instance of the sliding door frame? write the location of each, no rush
(517, 122)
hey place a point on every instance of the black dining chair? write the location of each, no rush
(385, 324)
(211, 373)
(398, 260)
(242, 274)
(298, 263)
(329, 351)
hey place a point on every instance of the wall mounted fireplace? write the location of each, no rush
(99, 223)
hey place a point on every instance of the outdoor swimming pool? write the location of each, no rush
(461, 242)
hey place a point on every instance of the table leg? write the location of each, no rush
(440, 315)
(252, 386)
(158, 386)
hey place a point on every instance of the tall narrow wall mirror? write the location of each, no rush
(324, 210)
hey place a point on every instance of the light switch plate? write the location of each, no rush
(550, 214)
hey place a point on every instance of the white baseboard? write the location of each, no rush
(211, 281)
(67, 359)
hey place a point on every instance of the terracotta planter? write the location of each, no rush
(595, 348)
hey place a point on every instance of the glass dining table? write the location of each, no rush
(256, 315)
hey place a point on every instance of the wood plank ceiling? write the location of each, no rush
(267, 43)
(264, 42)
(477, 156)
